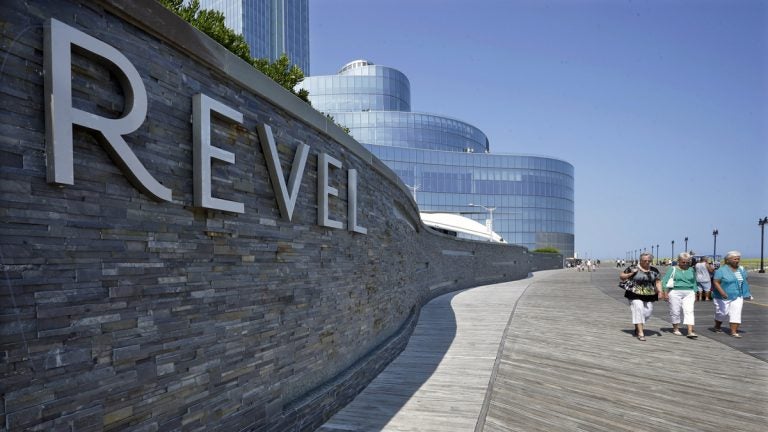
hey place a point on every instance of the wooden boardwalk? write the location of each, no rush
(566, 361)
(439, 382)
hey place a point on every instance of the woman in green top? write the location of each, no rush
(682, 295)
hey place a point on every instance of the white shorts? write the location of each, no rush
(728, 310)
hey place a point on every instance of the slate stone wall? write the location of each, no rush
(123, 313)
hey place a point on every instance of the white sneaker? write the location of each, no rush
(677, 333)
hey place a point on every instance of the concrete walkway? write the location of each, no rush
(565, 360)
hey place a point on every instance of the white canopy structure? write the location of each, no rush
(461, 226)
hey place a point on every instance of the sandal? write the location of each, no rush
(717, 330)
(736, 335)
(692, 335)
(677, 333)
(641, 338)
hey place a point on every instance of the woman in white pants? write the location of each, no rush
(644, 289)
(731, 288)
(679, 284)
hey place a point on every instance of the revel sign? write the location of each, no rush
(61, 116)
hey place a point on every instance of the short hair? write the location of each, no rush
(733, 253)
(684, 256)
(646, 254)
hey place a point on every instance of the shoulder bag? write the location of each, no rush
(671, 281)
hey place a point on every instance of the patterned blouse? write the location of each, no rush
(646, 284)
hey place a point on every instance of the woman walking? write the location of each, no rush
(679, 285)
(643, 289)
(731, 288)
(704, 272)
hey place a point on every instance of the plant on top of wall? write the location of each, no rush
(211, 22)
(548, 249)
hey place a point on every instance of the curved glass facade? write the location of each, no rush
(416, 130)
(447, 161)
(360, 86)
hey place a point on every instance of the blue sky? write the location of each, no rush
(661, 106)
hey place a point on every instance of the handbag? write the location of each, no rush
(628, 285)
(671, 281)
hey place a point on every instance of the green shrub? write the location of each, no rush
(547, 249)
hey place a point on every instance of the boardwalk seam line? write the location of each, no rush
(480, 425)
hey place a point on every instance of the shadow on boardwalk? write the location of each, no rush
(439, 382)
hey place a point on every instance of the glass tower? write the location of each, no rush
(447, 161)
(271, 27)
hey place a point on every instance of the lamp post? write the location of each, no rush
(490, 218)
(413, 190)
(714, 251)
(762, 223)
(686, 245)
(657, 254)
(673, 250)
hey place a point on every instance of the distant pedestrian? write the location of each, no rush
(731, 288)
(704, 272)
(681, 294)
(645, 289)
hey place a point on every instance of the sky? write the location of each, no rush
(660, 106)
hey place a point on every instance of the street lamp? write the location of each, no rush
(490, 218)
(762, 223)
(413, 189)
(657, 254)
(714, 251)
(673, 250)
(686, 245)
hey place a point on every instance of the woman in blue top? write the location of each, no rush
(731, 288)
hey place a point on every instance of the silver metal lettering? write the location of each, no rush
(285, 195)
(352, 203)
(323, 190)
(60, 115)
(203, 151)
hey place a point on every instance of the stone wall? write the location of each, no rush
(120, 311)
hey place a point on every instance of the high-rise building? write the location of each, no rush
(271, 27)
(447, 162)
